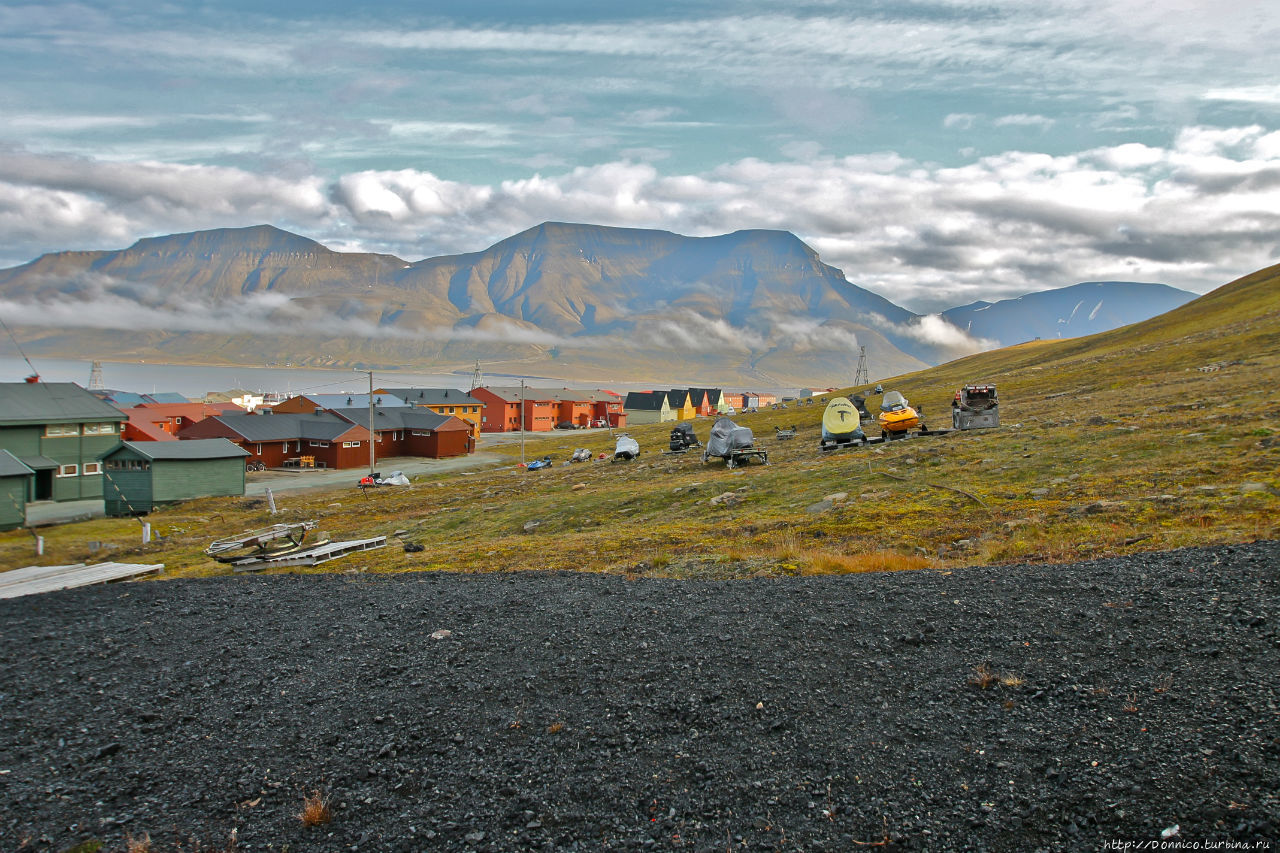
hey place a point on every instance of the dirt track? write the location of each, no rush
(1007, 708)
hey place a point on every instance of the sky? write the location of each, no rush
(936, 152)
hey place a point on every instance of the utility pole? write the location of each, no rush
(371, 435)
(521, 421)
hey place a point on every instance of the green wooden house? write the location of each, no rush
(141, 475)
(58, 430)
(15, 483)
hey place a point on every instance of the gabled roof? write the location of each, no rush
(11, 466)
(714, 395)
(433, 396)
(140, 420)
(677, 397)
(196, 448)
(282, 426)
(514, 394)
(51, 403)
(405, 417)
(645, 401)
(129, 399)
(353, 401)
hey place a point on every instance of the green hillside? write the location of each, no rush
(1154, 436)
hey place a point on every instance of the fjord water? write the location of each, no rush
(195, 380)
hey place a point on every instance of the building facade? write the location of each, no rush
(58, 430)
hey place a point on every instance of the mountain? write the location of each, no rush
(560, 300)
(1067, 312)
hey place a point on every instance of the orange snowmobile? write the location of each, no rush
(897, 419)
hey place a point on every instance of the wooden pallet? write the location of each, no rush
(311, 556)
(31, 580)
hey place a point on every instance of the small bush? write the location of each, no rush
(315, 810)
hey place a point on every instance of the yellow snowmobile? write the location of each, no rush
(897, 419)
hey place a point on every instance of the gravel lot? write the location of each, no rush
(1010, 708)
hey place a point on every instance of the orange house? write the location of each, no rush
(503, 406)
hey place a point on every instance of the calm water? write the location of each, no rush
(196, 380)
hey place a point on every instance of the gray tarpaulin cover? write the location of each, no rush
(726, 437)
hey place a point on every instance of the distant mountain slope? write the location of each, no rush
(1067, 312)
(563, 299)
(574, 301)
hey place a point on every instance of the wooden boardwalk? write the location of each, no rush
(32, 580)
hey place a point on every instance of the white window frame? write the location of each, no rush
(107, 428)
(350, 444)
(317, 443)
(61, 430)
(69, 470)
(91, 468)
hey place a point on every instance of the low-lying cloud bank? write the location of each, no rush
(1194, 215)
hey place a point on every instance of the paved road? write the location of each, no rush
(257, 483)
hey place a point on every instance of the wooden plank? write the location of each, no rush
(312, 556)
(78, 576)
(27, 573)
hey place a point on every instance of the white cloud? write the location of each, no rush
(1195, 214)
(1246, 94)
(1024, 120)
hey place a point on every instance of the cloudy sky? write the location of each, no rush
(937, 152)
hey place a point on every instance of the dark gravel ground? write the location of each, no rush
(589, 712)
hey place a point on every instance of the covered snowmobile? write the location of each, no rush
(841, 425)
(897, 419)
(860, 403)
(732, 443)
(682, 438)
(582, 454)
(626, 449)
(975, 407)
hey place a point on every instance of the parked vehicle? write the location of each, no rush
(732, 443)
(682, 438)
(897, 418)
(841, 425)
(975, 407)
(625, 448)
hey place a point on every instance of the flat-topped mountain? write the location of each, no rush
(566, 300)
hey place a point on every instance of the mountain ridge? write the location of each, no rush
(576, 300)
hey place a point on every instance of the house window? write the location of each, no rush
(68, 470)
(319, 443)
(92, 468)
(100, 429)
(350, 444)
(54, 430)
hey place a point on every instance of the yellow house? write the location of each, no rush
(682, 405)
(443, 401)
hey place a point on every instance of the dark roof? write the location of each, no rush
(340, 401)
(434, 396)
(406, 417)
(713, 394)
(645, 400)
(196, 448)
(51, 403)
(40, 463)
(677, 397)
(285, 426)
(11, 466)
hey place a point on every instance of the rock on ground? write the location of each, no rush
(1000, 708)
